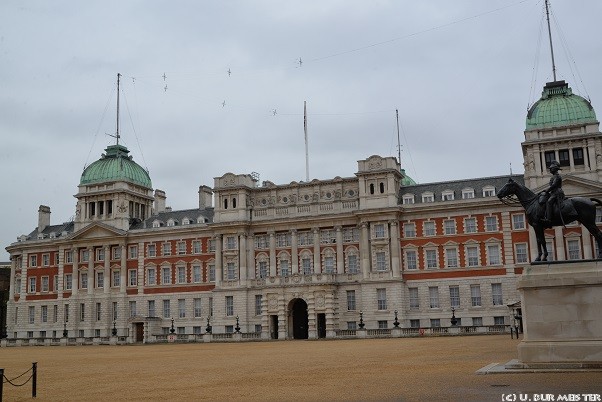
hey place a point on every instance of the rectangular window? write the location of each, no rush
(263, 269)
(411, 259)
(451, 257)
(472, 256)
(574, 250)
(181, 247)
(211, 273)
(197, 276)
(116, 278)
(151, 276)
(33, 260)
(151, 250)
(500, 320)
(166, 249)
(165, 276)
(435, 322)
(98, 311)
(82, 311)
(45, 284)
(477, 321)
(45, 260)
(55, 313)
(181, 274)
(100, 254)
(549, 157)
(258, 300)
(433, 297)
(518, 221)
(132, 305)
(133, 251)
(306, 265)
(116, 251)
(230, 243)
(283, 240)
(55, 283)
(328, 265)
(382, 324)
(85, 255)
(229, 329)
(475, 295)
(521, 253)
(493, 254)
(352, 325)
(132, 277)
(381, 299)
(211, 245)
(196, 247)
(414, 298)
(230, 271)
(449, 227)
(32, 314)
(196, 330)
(66, 312)
(68, 281)
(258, 328)
(83, 280)
(100, 279)
(166, 308)
(409, 230)
(229, 306)
(454, 296)
(151, 308)
(429, 228)
(352, 265)
(182, 308)
(470, 225)
(379, 231)
(351, 235)
(197, 307)
(351, 300)
(44, 314)
(69, 257)
(578, 156)
(431, 259)
(496, 292)
(381, 261)
(563, 157)
(32, 285)
(491, 223)
(414, 323)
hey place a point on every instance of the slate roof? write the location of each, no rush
(57, 229)
(177, 216)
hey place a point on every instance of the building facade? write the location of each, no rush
(299, 260)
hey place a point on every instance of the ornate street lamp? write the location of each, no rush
(454, 321)
(65, 329)
(172, 329)
(208, 329)
(396, 322)
(237, 328)
(362, 325)
(114, 330)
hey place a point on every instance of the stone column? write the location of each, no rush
(91, 278)
(273, 266)
(340, 255)
(123, 270)
(218, 260)
(365, 249)
(140, 273)
(107, 270)
(24, 266)
(61, 273)
(75, 272)
(11, 285)
(242, 257)
(251, 256)
(317, 255)
(559, 239)
(294, 252)
(395, 249)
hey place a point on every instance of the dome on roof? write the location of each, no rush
(559, 107)
(407, 180)
(116, 165)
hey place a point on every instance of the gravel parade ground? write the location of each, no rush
(410, 369)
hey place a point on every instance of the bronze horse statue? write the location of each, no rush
(572, 209)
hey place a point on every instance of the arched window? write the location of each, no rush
(371, 188)
(382, 187)
(225, 203)
(234, 202)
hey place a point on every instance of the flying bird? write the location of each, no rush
(229, 72)
(223, 103)
(164, 77)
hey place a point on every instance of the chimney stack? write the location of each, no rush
(205, 197)
(160, 200)
(43, 218)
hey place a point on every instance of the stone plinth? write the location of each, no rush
(562, 315)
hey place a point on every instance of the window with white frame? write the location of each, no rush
(431, 258)
(263, 269)
(283, 240)
(574, 249)
(152, 311)
(408, 199)
(518, 221)
(116, 277)
(166, 308)
(211, 272)
(230, 243)
(196, 247)
(181, 274)
(351, 235)
(491, 223)
(285, 269)
(428, 197)
(151, 276)
(171, 222)
(520, 252)
(447, 195)
(133, 252)
(472, 256)
(550, 248)
(69, 257)
(381, 299)
(433, 297)
(45, 260)
(166, 249)
(132, 277)
(352, 264)
(493, 254)
(55, 283)
(181, 247)
(414, 298)
(100, 279)
(351, 300)
(470, 225)
(132, 306)
(477, 321)
(197, 275)
(68, 281)
(196, 302)
(499, 320)
(328, 236)
(496, 293)
(379, 231)
(83, 280)
(451, 257)
(454, 296)
(409, 230)
(44, 314)
(165, 275)
(488, 191)
(467, 193)
(382, 324)
(181, 308)
(428, 228)
(305, 238)
(116, 253)
(33, 260)
(352, 325)
(411, 259)
(258, 301)
(211, 245)
(85, 255)
(329, 265)
(82, 311)
(381, 261)
(449, 226)
(151, 250)
(475, 295)
(100, 254)
(32, 314)
(45, 283)
(306, 265)
(229, 306)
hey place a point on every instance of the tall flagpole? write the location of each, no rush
(550, 38)
(398, 142)
(306, 148)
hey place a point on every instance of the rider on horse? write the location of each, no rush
(554, 195)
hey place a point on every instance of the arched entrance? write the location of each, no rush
(300, 323)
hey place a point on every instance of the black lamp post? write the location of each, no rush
(172, 329)
(237, 328)
(114, 330)
(362, 325)
(65, 329)
(208, 329)
(454, 321)
(396, 322)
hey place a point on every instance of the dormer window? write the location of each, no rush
(447, 195)
(172, 222)
(467, 193)
(408, 199)
(428, 197)
(488, 191)
(185, 221)
(156, 224)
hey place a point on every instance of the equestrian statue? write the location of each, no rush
(551, 208)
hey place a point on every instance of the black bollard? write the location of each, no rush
(34, 379)
(1, 382)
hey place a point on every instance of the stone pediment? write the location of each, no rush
(576, 186)
(97, 231)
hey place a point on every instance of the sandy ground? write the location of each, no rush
(415, 369)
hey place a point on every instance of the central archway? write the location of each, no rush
(299, 318)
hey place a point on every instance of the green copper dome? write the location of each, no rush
(407, 180)
(559, 107)
(116, 165)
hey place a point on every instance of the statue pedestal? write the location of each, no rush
(562, 315)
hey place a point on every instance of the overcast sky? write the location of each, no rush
(462, 74)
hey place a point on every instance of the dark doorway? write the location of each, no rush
(321, 325)
(139, 331)
(300, 321)
(274, 327)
